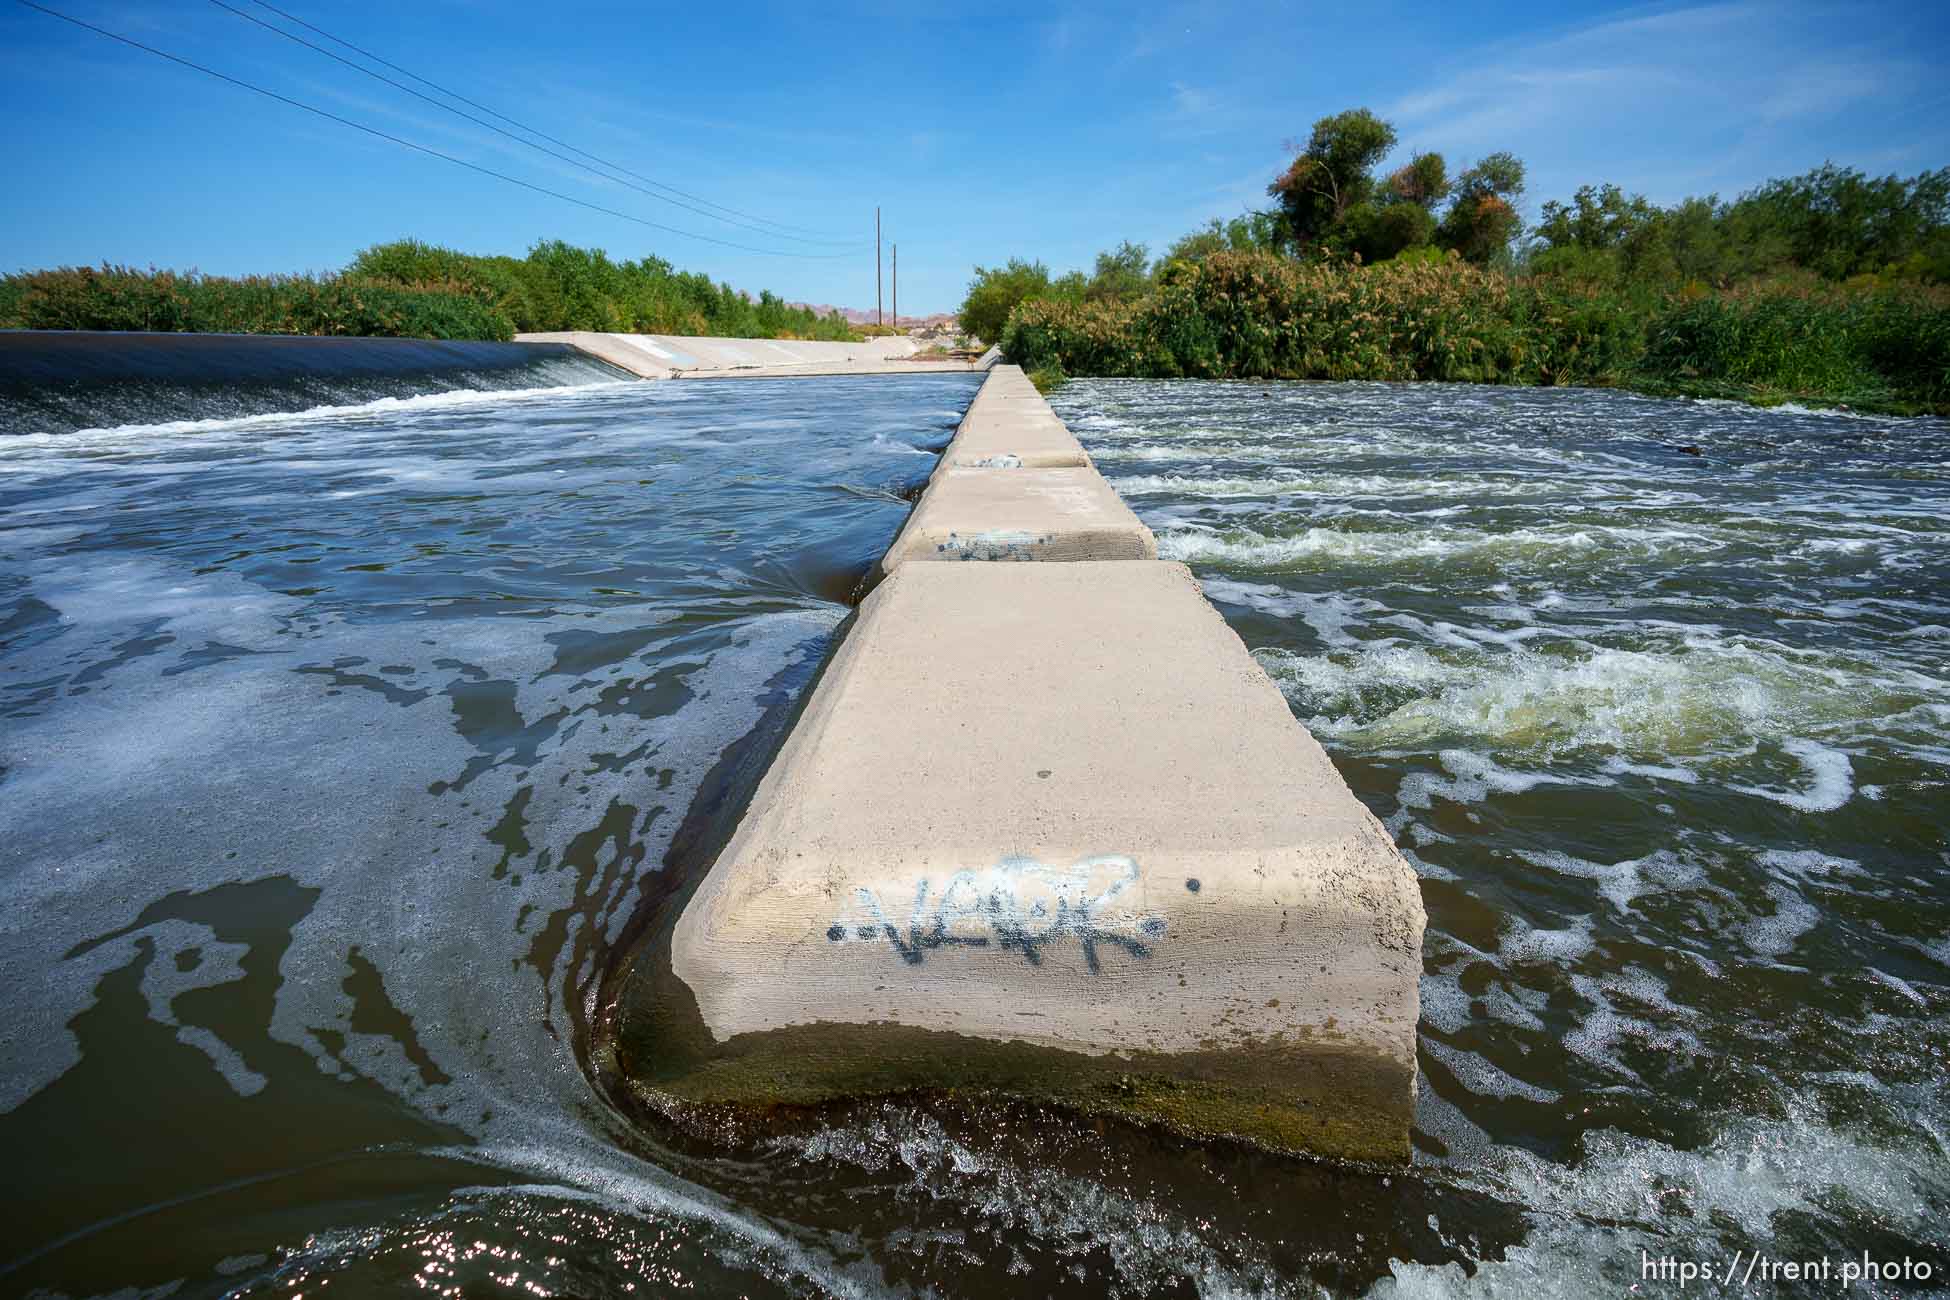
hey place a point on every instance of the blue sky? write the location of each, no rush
(983, 131)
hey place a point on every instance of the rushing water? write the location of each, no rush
(336, 751)
(1657, 697)
(68, 380)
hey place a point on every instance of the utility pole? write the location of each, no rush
(897, 286)
(876, 268)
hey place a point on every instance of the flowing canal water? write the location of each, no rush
(1656, 695)
(338, 751)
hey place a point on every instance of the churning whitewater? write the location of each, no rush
(1657, 696)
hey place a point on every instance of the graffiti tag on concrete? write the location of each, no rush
(1018, 905)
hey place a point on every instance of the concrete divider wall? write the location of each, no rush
(1047, 828)
(1010, 426)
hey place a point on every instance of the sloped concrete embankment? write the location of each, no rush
(671, 356)
(1045, 827)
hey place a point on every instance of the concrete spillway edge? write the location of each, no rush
(671, 356)
(1044, 827)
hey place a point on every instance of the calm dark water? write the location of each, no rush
(339, 750)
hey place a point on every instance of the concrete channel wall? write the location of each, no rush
(1044, 827)
(671, 356)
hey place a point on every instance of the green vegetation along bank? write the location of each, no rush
(409, 289)
(1833, 287)
(1257, 315)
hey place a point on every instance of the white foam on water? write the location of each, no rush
(1604, 1029)
(1473, 778)
(1483, 1078)
(95, 591)
(1653, 709)
(1250, 548)
(1150, 1245)
(1516, 1004)
(1329, 614)
(1391, 486)
(1776, 935)
(1621, 1195)
(1893, 422)
(461, 949)
(1444, 1004)
(1656, 771)
(1830, 778)
(1143, 452)
(1804, 864)
(901, 446)
(1901, 986)
(22, 539)
(1840, 546)
(1562, 947)
(1619, 883)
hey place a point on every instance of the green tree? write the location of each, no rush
(1483, 218)
(1603, 235)
(1379, 231)
(1122, 274)
(1596, 217)
(1838, 222)
(994, 293)
(1423, 181)
(1332, 174)
(1253, 231)
(1834, 222)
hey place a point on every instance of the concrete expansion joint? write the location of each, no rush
(1044, 827)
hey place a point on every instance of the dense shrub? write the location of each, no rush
(997, 291)
(122, 298)
(559, 286)
(415, 290)
(1241, 314)
(1889, 348)
(1260, 315)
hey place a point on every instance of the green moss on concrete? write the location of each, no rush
(1313, 1096)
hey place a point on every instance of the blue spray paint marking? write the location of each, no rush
(1018, 905)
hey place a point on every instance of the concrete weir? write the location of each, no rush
(1047, 829)
(673, 356)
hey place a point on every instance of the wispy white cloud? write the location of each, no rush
(1817, 87)
(1190, 101)
(1668, 99)
(1059, 35)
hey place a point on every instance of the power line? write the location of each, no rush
(420, 148)
(452, 94)
(449, 108)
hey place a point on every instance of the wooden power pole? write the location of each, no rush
(897, 286)
(876, 268)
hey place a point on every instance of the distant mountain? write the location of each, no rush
(858, 317)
